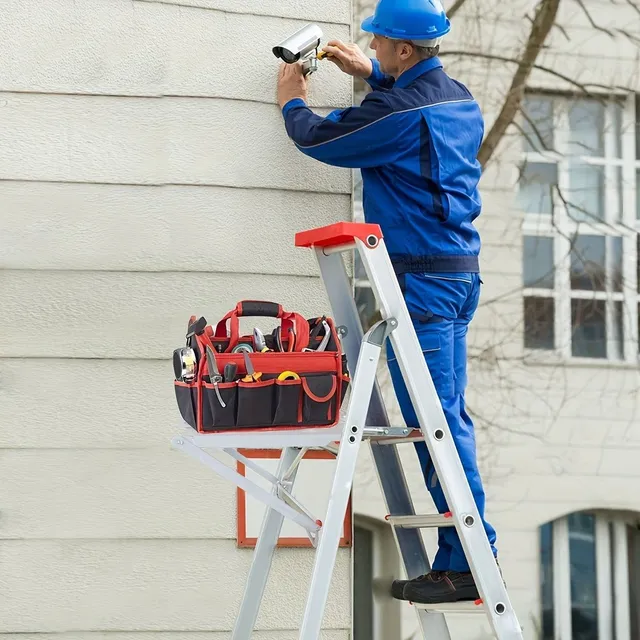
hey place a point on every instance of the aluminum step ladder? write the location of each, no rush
(365, 417)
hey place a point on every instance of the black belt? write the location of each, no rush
(433, 264)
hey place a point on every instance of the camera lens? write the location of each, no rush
(289, 57)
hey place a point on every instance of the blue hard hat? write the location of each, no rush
(408, 20)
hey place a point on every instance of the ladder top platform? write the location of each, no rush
(265, 438)
(280, 438)
(337, 234)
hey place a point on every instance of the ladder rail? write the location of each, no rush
(393, 484)
(329, 537)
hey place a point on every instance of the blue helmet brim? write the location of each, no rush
(367, 25)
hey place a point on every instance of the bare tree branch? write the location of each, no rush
(591, 21)
(584, 88)
(455, 7)
(630, 36)
(543, 22)
(562, 30)
(633, 5)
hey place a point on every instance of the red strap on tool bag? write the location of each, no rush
(294, 327)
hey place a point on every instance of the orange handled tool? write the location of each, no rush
(251, 376)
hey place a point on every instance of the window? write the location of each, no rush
(363, 562)
(589, 578)
(376, 616)
(579, 188)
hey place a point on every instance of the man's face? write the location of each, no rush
(387, 53)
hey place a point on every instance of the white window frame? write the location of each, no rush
(560, 227)
(611, 605)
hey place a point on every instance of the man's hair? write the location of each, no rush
(424, 53)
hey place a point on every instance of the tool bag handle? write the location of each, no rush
(248, 308)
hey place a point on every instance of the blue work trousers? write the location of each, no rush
(441, 306)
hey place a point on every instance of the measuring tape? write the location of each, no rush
(243, 347)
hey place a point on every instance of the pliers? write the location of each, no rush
(252, 375)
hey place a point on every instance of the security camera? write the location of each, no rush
(301, 46)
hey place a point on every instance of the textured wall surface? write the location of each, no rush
(145, 175)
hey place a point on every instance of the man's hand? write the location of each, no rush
(349, 58)
(291, 83)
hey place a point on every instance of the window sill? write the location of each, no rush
(538, 359)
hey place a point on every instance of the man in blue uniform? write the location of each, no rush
(415, 138)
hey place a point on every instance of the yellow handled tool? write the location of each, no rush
(288, 375)
(324, 54)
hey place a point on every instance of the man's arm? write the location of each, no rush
(357, 137)
(378, 80)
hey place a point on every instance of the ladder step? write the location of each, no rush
(453, 607)
(422, 521)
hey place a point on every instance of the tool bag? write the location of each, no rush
(294, 384)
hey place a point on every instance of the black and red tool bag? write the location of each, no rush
(294, 385)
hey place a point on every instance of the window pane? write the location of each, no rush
(638, 126)
(359, 272)
(615, 248)
(633, 542)
(582, 561)
(362, 584)
(638, 194)
(586, 128)
(617, 333)
(367, 306)
(538, 266)
(539, 323)
(618, 108)
(617, 214)
(588, 263)
(638, 262)
(546, 581)
(589, 337)
(585, 196)
(537, 181)
(537, 123)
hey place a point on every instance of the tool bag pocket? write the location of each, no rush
(319, 399)
(288, 408)
(187, 399)
(255, 403)
(223, 414)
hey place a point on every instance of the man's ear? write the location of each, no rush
(406, 51)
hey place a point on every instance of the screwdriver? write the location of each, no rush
(230, 371)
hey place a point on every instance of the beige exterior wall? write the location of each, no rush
(145, 175)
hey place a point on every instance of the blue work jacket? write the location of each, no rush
(416, 141)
